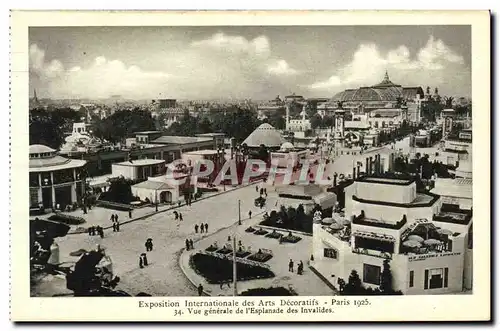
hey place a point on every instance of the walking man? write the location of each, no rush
(196, 228)
(180, 217)
(130, 213)
(117, 226)
(191, 244)
(206, 227)
(114, 226)
(187, 244)
(250, 214)
(200, 290)
(290, 266)
(202, 228)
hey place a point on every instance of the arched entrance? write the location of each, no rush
(165, 196)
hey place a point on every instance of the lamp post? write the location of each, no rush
(235, 272)
(239, 212)
(156, 200)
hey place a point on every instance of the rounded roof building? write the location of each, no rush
(381, 92)
(43, 158)
(265, 135)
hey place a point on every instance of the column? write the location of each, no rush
(40, 196)
(52, 188)
(73, 192)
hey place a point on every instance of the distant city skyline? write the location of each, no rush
(244, 62)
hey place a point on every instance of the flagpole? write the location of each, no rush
(235, 284)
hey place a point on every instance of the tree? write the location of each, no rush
(238, 122)
(48, 128)
(123, 124)
(316, 121)
(386, 278)
(263, 153)
(277, 120)
(353, 286)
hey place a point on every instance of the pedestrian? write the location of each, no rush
(191, 243)
(130, 213)
(200, 290)
(257, 188)
(187, 244)
(228, 238)
(176, 215)
(180, 217)
(145, 259)
(202, 228)
(250, 214)
(196, 228)
(150, 244)
(265, 191)
(261, 191)
(112, 218)
(206, 227)
(290, 266)
(141, 263)
(114, 226)
(116, 217)
(101, 232)
(89, 230)
(179, 203)
(117, 226)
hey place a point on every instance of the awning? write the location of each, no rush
(372, 235)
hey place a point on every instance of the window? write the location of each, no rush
(371, 274)
(436, 278)
(330, 253)
(412, 277)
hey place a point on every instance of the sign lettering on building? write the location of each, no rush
(430, 256)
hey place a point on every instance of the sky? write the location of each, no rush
(237, 62)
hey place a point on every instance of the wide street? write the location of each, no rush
(163, 276)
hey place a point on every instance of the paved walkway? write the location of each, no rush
(163, 277)
(306, 284)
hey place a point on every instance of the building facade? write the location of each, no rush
(55, 181)
(427, 243)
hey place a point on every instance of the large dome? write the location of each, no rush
(265, 135)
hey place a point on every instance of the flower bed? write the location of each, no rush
(261, 232)
(260, 257)
(291, 239)
(242, 254)
(211, 248)
(274, 234)
(224, 251)
(67, 219)
(250, 229)
(216, 270)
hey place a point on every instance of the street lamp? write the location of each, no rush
(156, 200)
(239, 212)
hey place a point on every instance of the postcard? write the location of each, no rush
(250, 166)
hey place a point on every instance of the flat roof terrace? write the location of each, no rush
(390, 181)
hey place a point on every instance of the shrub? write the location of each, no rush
(249, 229)
(224, 251)
(260, 257)
(270, 291)
(291, 239)
(67, 219)
(216, 270)
(261, 232)
(274, 235)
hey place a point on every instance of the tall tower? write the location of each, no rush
(287, 116)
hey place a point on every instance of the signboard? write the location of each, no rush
(430, 256)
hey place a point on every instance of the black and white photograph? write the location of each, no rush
(237, 161)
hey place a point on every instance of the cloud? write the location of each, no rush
(101, 79)
(281, 67)
(258, 46)
(368, 65)
(219, 66)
